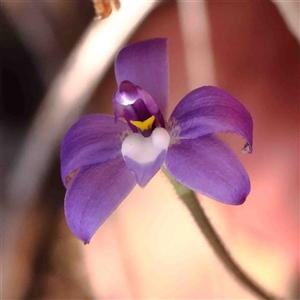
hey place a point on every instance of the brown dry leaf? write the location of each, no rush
(103, 8)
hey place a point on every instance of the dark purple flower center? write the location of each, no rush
(138, 108)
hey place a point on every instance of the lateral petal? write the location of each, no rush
(94, 193)
(209, 110)
(92, 140)
(145, 64)
(208, 165)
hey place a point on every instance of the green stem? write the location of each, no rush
(190, 200)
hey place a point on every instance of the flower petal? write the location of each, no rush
(145, 155)
(94, 193)
(145, 64)
(209, 110)
(207, 165)
(92, 140)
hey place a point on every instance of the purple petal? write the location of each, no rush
(92, 140)
(207, 165)
(210, 110)
(94, 193)
(145, 64)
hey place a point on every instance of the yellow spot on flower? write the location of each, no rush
(144, 125)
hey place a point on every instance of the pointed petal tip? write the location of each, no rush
(144, 172)
(242, 201)
(247, 149)
(235, 200)
(243, 192)
(142, 182)
(81, 233)
(86, 242)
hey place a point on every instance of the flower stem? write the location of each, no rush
(190, 200)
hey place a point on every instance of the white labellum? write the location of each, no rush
(144, 150)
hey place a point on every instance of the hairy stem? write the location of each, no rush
(191, 202)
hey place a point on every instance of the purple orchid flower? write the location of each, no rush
(102, 157)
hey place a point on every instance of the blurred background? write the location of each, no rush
(57, 64)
